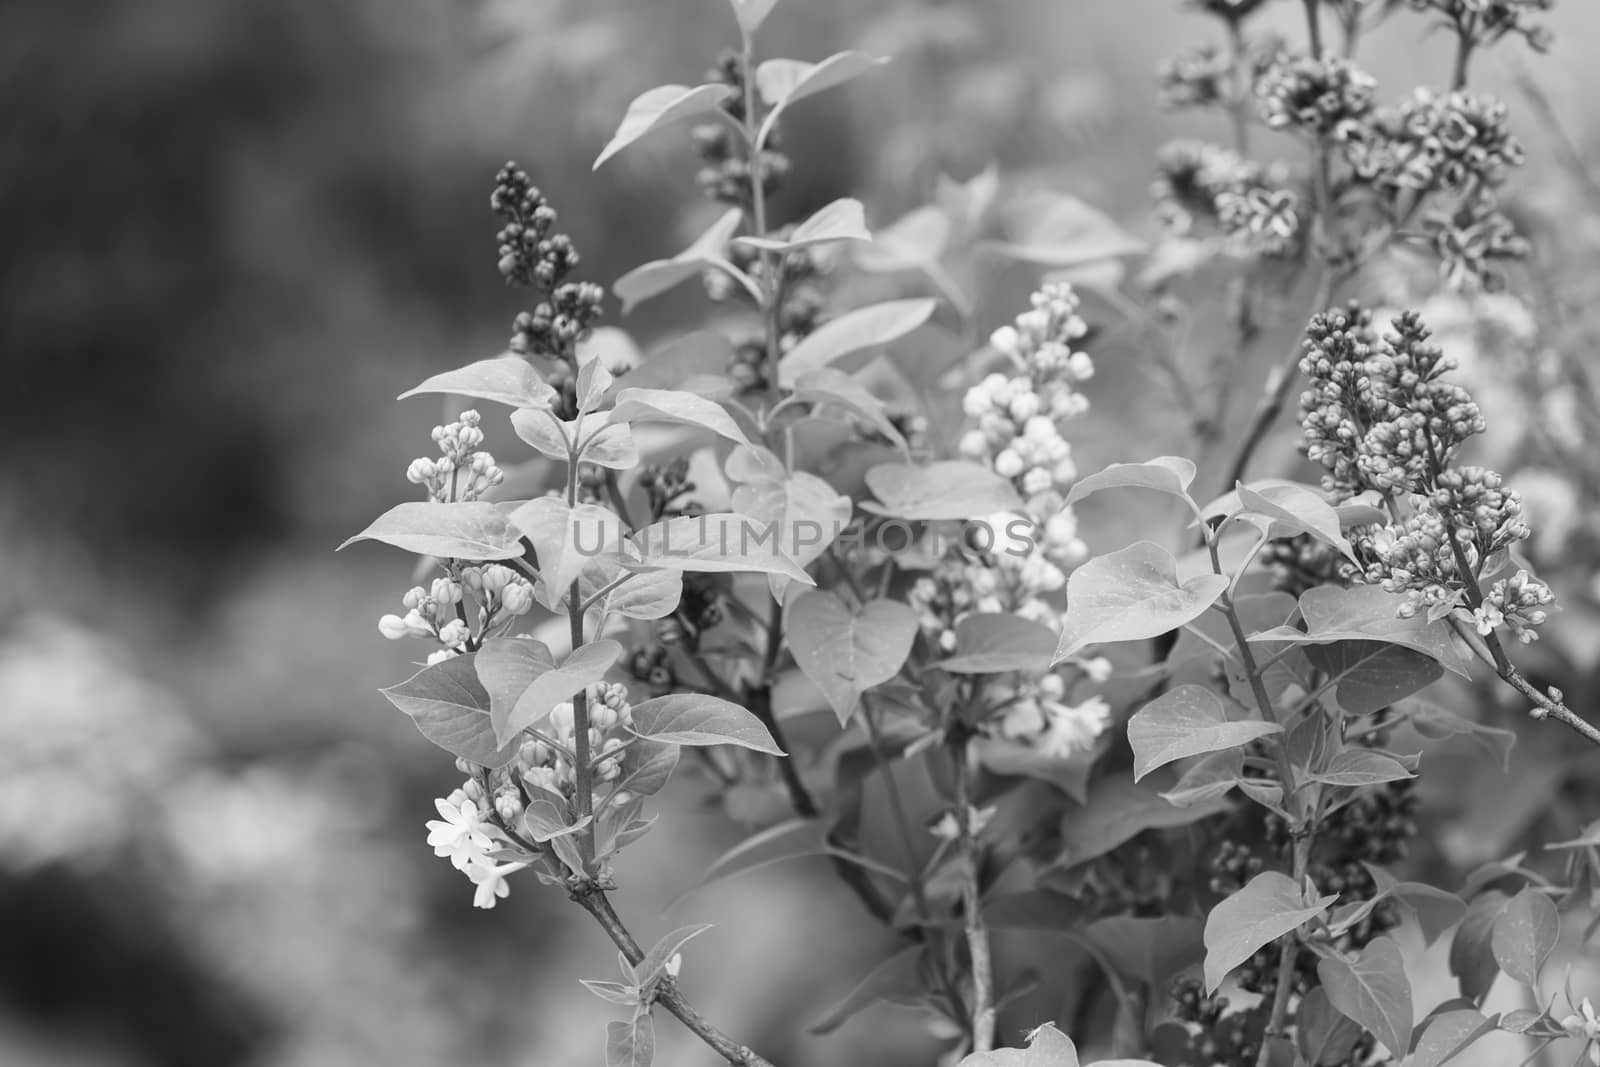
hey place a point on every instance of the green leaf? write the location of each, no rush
(1324, 1036)
(1435, 723)
(752, 13)
(1472, 958)
(911, 242)
(846, 652)
(995, 643)
(1187, 721)
(830, 386)
(1295, 509)
(1047, 1047)
(672, 405)
(658, 276)
(806, 512)
(645, 595)
(1057, 230)
(1210, 778)
(948, 489)
(646, 767)
(1368, 613)
(698, 719)
(1118, 810)
(1069, 773)
(451, 708)
(1449, 1034)
(546, 821)
(683, 364)
(545, 431)
(1355, 767)
(525, 682)
(566, 540)
(842, 220)
(631, 1044)
(1150, 950)
(1525, 934)
(1436, 910)
(725, 542)
(1372, 988)
(655, 961)
(854, 331)
(506, 379)
(1131, 595)
(897, 978)
(1370, 675)
(785, 82)
(1165, 474)
(469, 530)
(625, 996)
(657, 108)
(1268, 907)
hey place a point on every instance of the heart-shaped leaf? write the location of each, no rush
(949, 489)
(1525, 934)
(1165, 474)
(525, 682)
(1132, 595)
(846, 652)
(451, 708)
(993, 643)
(1372, 989)
(1268, 907)
(1187, 721)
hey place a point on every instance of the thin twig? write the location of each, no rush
(983, 1009)
(667, 994)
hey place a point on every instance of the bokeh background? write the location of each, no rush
(231, 231)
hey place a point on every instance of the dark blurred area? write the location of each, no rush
(231, 231)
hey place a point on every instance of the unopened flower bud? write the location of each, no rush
(393, 627)
(453, 633)
(517, 599)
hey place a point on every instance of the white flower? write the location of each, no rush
(393, 627)
(1004, 340)
(491, 882)
(1008, 464)
(1072, 729)
(460, 836)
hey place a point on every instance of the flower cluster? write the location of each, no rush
(1380, 418)
(727, 171)
(1254, 209)
(1037, 712)
(1326, 98)
(464, 834)
(462, 470)
(1196, 77)
(1378, 414)
(471, 831)
(1014, 418)
(1016, 415)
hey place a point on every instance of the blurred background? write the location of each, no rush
(231, 231)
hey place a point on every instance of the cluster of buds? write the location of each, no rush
(727, 171)
(1379, 417)
(1480, 22)
(1253, 208)
(1378, 414)
(1328, 98)
(462, 470)
(457, 612)
(668, 488)
(797, 277)
(530, 254)
(543, 766)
